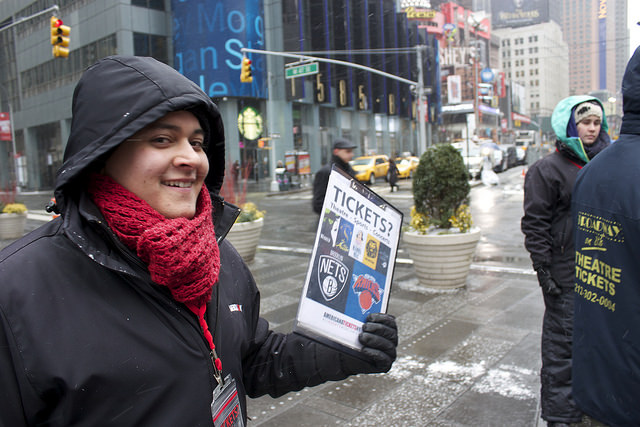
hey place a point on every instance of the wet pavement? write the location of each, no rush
(467, 357)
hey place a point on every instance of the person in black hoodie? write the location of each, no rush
(131, 309)
(606, 211)
(392, 175)
(342, 154)
(581, 131)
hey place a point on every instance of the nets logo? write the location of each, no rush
(368, 291)
(332, 277)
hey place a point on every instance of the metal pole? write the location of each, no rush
(13, 147)
(26, 18)
(330, 61)
(422, 144)
(475, 83)
(419, 84)
(467, 125)
(13, 135)
(274, 186)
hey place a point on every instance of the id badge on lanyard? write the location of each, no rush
(225, 405)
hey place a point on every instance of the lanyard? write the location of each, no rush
(217, 363)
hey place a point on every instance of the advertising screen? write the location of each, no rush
(208, 36)
(518, 13)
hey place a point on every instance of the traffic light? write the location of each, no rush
(245, 72)
(59, 38)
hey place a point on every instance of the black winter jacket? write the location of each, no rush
(321, 181)
(606, 346)
(87, 338)
(547, 223)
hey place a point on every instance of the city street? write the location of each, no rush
(467, 357)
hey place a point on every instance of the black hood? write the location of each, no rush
(630, 98)
(118, 96)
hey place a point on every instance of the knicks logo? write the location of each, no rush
(368, 291)
(332, 277)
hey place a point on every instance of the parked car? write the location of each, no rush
(472, 158)
(406, 166)
(369, 168)
(521, 151)
(510, 155)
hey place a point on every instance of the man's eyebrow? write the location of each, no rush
(169, 126)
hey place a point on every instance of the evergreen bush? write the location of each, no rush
(440, 185)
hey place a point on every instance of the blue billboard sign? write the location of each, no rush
(207, 38)
(602, 44)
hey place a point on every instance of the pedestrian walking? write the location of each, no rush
(342, 154)
(235, 171)
(606, 211)
(581, 133)
(131, 308)
(392, 175)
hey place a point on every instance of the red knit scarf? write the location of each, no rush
(182, 254)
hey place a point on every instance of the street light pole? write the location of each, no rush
(422, 143)
(476, 57)
(14, 153)
(419, 84)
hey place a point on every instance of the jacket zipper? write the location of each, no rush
(211, 354)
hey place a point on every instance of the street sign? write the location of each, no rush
(301, 70)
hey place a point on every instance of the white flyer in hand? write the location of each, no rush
(352, 262)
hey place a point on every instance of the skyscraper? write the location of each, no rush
(598, 40)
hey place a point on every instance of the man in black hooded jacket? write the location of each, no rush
(342, 154)
(606, 211)
(93, 329)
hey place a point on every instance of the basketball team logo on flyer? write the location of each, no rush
(351, 265)
(365, 292)
(332, 277)
(368, 291)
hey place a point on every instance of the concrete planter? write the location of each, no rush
(12, 225)
(244, 237)
(442, 261)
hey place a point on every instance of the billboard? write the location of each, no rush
(602, 44)
(5, 127)
(207, 38)
(518, 98)
(518, 13)
(454, 89)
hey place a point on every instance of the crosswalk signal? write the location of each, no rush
(245, 72)
(59, 38)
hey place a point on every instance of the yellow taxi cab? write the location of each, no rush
(369, 168)
(406, 166)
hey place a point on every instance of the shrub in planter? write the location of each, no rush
(13, 218)
(249, 212)
(12, 208)
(440, 190)
(440, 239)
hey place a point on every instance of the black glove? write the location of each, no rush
(547, 283)
(379, 339)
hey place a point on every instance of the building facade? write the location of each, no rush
(598, 40)
(535, 57)
(37, 88)
(266, 120)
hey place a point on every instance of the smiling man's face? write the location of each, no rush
(164, 164)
